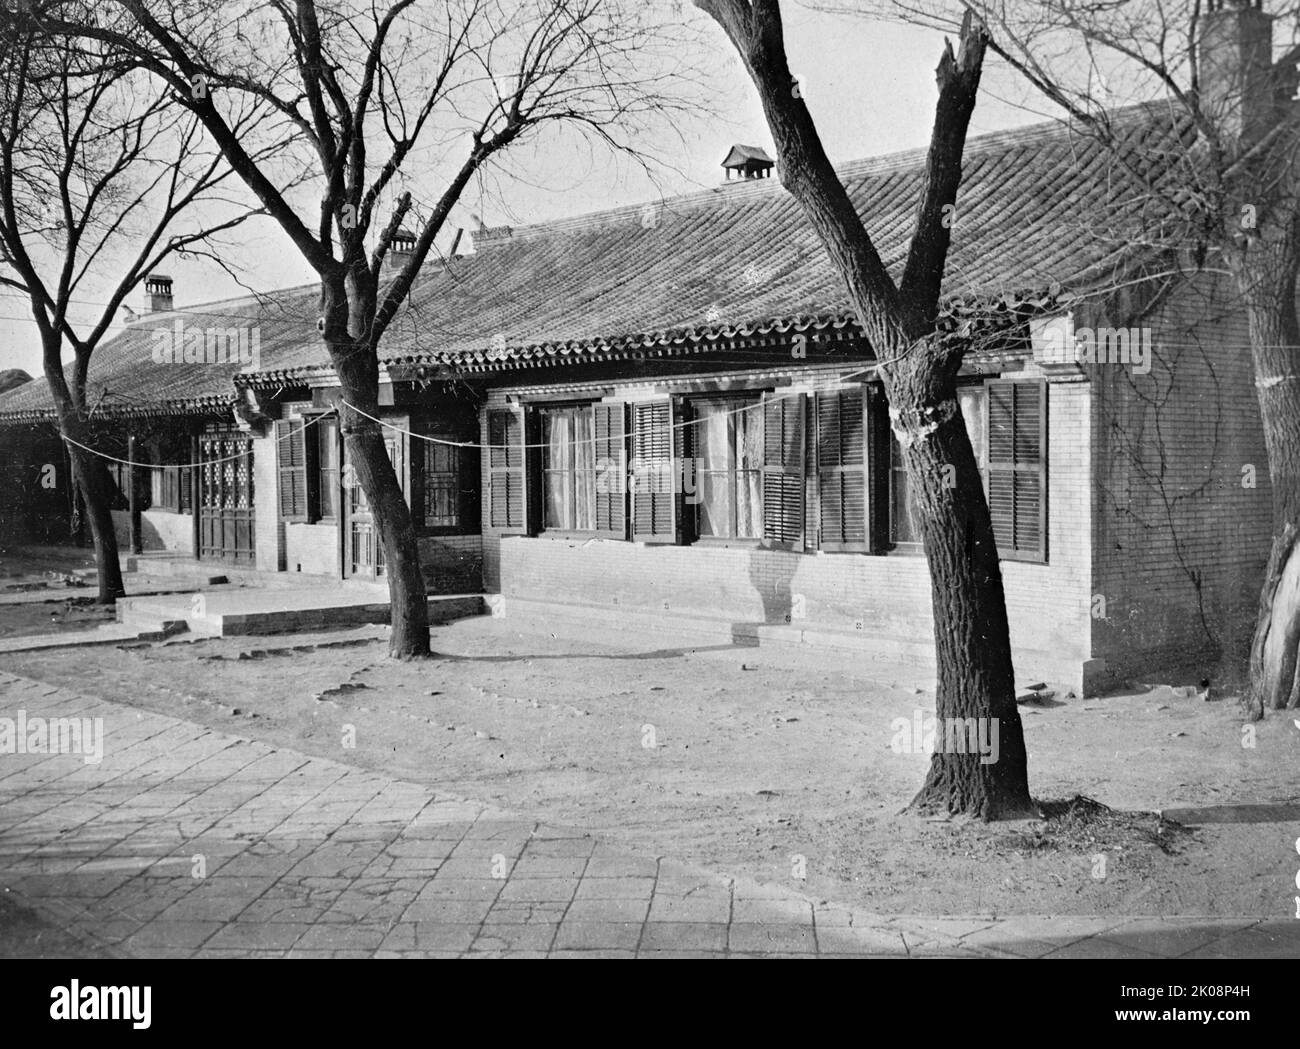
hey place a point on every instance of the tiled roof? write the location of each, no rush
(1039, 207)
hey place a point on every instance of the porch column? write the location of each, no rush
(133, 500)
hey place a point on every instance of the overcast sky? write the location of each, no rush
(870, 87)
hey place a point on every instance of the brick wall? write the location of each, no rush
(453, 564)
(1178, 538)
(888, 596)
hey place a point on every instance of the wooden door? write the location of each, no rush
(226, 520)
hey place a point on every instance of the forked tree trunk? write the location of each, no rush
(976, 683)
(92, 479)
(919, 367)
(1265, 274)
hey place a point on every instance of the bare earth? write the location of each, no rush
(760, 761)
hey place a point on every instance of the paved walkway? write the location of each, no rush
(185, 842)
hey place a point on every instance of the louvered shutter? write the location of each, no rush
(611, 471)
(506, 470)
(783, 478)
(291, 447)
(654, 496)
(842, 470)
(1017, 468)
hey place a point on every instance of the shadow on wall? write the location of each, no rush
(771, 573)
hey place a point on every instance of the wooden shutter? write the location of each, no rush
(611, 470)
(783, 478)
(654, 495)
(171, 489)
(842, 470)
(1016, 427)
(291, 446)
(506, 470)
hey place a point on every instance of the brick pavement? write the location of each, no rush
(187, 842)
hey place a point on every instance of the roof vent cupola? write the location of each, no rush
(748, 162)
(400, 249)
(159, 288)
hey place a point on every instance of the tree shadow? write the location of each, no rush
(771, 571)
(1279, 812)
(659, 653)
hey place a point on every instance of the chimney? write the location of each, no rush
(159, 287)
(747, 162)
(400, 249)
(1237, 91)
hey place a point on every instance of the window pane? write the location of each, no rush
(749, 505)
(569, 474)
(902, 515)
(971, 399)
(328, 452)
(584, 480)
(441, 485)
(729, 449)
(715, 434)
(715, 503)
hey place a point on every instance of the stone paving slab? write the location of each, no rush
(186, 842)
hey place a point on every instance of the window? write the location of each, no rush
(172, 488)
(327, 458)
(655, 491)
(568, 469)
(1016, 467)
(727, 439)
(308, 464)
(441, 485)
(505, 470)
(842, 470)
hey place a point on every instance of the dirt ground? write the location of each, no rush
(762, 764)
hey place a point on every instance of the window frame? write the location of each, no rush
(751, 400)
(543, 472)
(467, 469)
(313, 423)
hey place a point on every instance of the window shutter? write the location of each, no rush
(842, 470)
(611, 471)
(171, 489)
(654, 496)
(1017, 468)
(291, 447)
(506, 470)
(783, 479)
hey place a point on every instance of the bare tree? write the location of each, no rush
(381, 94)
(920, 348)
(1225, 194)
(98, 168)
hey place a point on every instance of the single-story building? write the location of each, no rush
(669, 411)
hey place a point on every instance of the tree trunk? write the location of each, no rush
(408, 601)
(976, 683)
(92, 479)
(1265, 273)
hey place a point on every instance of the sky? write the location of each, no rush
(869, 85)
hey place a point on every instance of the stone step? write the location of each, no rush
(242, 613)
